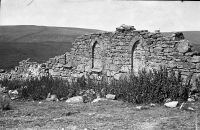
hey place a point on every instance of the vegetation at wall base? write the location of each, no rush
(147, 87)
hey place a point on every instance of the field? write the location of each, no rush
(36, 42)
(105, 115)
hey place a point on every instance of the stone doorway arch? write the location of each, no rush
(134, 62)
(97, 55)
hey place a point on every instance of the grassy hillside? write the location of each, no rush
(36, 42)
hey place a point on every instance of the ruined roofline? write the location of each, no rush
(131, 29)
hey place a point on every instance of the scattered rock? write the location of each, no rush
(152, 105)
(111, 96)
(76, 99)
(98, 100)
(191, 109)
(14, 94)
(142, 107)
(171, 104)
(190, 99)
(63, 98)
(52, 97)
(186, 106)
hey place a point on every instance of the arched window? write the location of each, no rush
(132, 53)
(93, 49)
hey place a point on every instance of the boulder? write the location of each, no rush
(171, 104)
(76, 99)
(111, 96)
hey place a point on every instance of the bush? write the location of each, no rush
(154, 86)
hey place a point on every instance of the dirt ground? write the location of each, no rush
(105, 115)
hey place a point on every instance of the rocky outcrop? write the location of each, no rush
(115, 54)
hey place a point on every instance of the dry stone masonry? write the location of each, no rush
(115, 54)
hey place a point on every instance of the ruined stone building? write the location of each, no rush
(114, 54)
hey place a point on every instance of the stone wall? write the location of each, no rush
(114, 54)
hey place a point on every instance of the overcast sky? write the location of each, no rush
(103, 14)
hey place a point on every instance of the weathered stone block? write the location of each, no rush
(183, 46)
(125, 69)
(77, 75)
(97, 70)
(81, 68)
(195, 59)
(168, 50)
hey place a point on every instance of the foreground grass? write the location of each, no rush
(113, 115)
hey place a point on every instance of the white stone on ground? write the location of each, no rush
(98, 100)
(191, 100)
(171, 104)
(76, 99)
(110, 96)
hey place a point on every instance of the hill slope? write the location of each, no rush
(36, 42)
